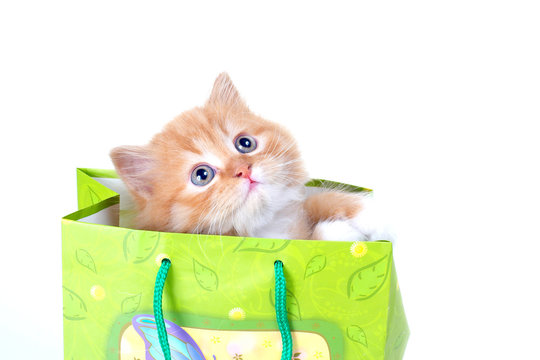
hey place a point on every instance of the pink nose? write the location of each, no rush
(244, 171)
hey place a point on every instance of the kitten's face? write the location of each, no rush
(218, 169)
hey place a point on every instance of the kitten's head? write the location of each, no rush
(216, 169)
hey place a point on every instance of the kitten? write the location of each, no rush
(221, 169)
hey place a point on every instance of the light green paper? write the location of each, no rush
(109, 274)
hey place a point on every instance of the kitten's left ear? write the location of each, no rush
(134, 165)
(225, 93)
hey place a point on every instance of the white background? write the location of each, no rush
(433, 104)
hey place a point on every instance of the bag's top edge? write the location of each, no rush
(334, 185)
(100, 173)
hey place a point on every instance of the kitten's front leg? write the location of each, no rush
(346, 217)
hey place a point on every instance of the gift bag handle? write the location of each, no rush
(280, 301)
(281, 310)
(158, 309)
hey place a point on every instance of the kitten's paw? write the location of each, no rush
(369, 224)
(372, 223)
(337, 230)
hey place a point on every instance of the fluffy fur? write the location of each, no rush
(269, 202)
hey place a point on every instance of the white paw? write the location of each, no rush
(338, 230)
(372, 223)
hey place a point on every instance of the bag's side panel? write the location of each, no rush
(398, 329)
(89, 191)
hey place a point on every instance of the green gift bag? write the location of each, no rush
(342, 298)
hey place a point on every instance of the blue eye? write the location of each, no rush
(202, 175)
(245, 144)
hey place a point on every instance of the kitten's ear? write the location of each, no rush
(224, 92)
(134, 164)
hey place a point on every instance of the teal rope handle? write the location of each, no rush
(158, 310)
(281, 311)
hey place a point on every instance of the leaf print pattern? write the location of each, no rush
(131, 303)
(293, 307)
(139, 246)
(357, 334)
(262, 245)
(366, 281)
(74, 306)
(315, 265)
(206, 277)
(85, 259)
(94, 197)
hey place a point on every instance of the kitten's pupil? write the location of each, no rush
(202, 174)
(245, 142)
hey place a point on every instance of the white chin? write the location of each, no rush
(260, 206)
(255, 199)
(254, 211)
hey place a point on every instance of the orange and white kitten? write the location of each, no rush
(221, 169)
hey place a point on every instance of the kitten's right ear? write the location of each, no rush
(134, 164)
(225, 93)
